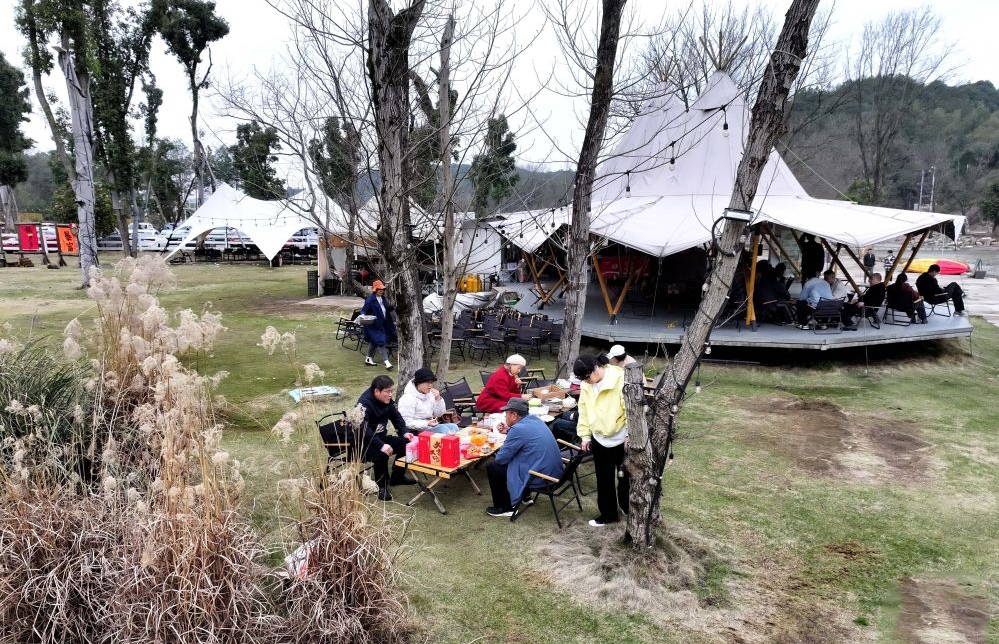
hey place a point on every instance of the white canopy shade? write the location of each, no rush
(529, 229)
(268, 223)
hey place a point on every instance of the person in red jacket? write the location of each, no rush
(501, 386)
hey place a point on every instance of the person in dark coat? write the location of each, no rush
(932, 292)
(812, 257)
(379, 445)
(380, 332)
(902, 297)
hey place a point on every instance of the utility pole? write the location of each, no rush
(933, 184)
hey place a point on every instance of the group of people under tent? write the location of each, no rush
(598, 425)
(899, 296)
(774, 303)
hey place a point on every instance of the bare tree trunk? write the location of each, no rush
(9, 207)
(199, 150)
(450, 289)
(389, 39)
(767, 125)
(578, 243)
(118, 205)
(78, 88)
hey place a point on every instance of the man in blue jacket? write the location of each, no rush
(379, 445)
(529, 445)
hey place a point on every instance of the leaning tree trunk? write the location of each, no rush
(390, 35)
(767, 124)
(450, 289)
(78, 88)
(199, 150)
(578, 242)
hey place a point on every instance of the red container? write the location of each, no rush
(450, 451)
(423, 448)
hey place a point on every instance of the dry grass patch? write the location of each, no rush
(942, 611)
(821, 439)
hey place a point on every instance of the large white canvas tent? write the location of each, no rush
(671, 176)
(268, 223)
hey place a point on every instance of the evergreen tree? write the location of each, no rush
(14, 105)
(494, 172)
(253, 157)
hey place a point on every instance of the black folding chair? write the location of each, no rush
(565, 485)
(828, 316)
(343, 445)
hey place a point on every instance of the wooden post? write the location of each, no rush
(860, 263)
(835, 259)
(751, 283)
(915, 250)
(772, 239)
(603, 284)
(898, 256)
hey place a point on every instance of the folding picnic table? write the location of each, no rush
(428, 475)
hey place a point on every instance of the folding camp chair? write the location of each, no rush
(828, 316)
(542, 484)
(342, 445)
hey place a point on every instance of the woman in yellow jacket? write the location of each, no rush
(602, 419)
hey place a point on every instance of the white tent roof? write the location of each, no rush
(643, 201)
(268, 223)
(529, 229)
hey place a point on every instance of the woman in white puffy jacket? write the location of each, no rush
(421, 404)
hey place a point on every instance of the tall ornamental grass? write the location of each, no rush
(151, 545)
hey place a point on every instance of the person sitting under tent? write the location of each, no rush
(902, 297)
(815, 289)
(874, 296)
(931, 291)
(772, 299)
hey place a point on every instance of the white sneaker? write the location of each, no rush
(388, 365)
(369, 361)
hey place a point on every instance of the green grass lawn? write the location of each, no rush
(834, 499)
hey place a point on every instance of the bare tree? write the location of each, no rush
(650, 446)
(39, 20)
(896, 58)
(593, 140)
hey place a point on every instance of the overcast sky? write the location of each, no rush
(258, 35)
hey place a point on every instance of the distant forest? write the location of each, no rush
(954, 129)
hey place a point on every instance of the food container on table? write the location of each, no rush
(423, 446)
(540, 410)
(412, 450)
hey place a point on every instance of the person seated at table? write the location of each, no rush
(618, 356)
(379, 445)
(529, 445)
(503, 385)
(874, 296)
(902, 297)
(815, 289)
(421, 405)
(932, 292)
(772, 298)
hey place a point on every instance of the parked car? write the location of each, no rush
(304, 238)
(147, 241)
(222, 238)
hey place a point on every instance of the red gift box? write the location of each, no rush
(423, 447)
(450, 451)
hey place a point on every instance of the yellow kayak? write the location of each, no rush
(947, 266)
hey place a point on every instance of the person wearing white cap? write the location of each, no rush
(619, 357)
(501, 386)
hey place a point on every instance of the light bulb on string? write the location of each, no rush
(724, 123)
(672, 156)
(627, 186)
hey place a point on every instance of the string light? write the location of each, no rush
(627, 187)
(724, 123)
(672, 156)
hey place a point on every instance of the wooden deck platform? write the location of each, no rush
(668, 327)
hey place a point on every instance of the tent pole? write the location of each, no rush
(603, 285)
(837, 262)
(529, 260)
(632, 274)
(751, 283)
(794, 265)
(860, 263)
(915, 250)
(901, 251)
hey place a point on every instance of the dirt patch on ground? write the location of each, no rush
(822, 439)
(935, 611)
(687, 582)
